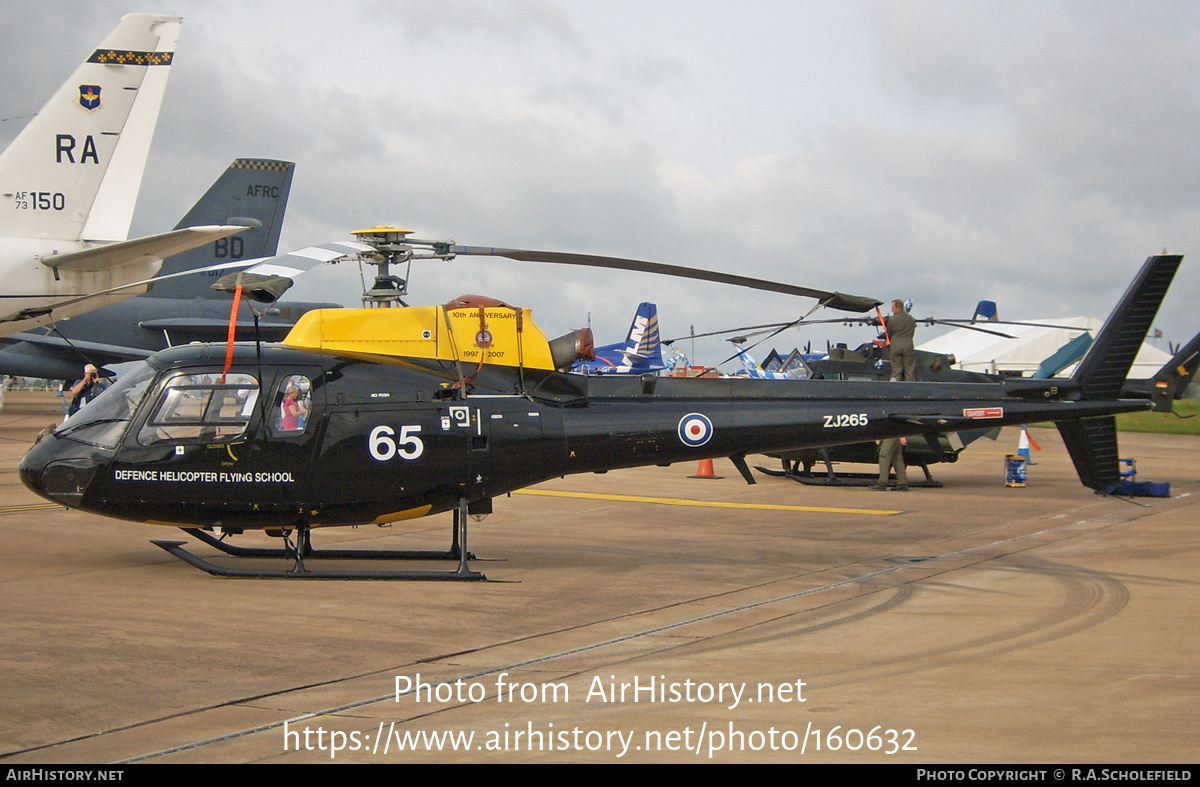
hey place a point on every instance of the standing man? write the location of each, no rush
(901, 328)
(891, 456)
(86, 389)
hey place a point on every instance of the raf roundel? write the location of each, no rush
(695, 430)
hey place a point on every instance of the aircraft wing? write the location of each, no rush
(283, 265)
(46, 355)
(139, 250)
(53, 356)
(49, 340)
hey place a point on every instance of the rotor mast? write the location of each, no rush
(392, 246)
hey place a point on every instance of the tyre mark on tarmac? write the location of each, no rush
(1088, 598)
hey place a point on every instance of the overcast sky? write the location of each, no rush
(1034, 153)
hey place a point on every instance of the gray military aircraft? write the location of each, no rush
(70, 180)
(182, 309)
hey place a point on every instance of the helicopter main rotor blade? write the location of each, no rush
(831, 300)
(755, 330)
(1016, 323)
(931, 321)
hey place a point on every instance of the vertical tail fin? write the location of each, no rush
(641, 351)
(1103, 370)
(250, 192)
(749, 364)
(987, 310)
(1171, 381)
(644, 338)
(1092, 442)
(1176, 375)
(75, 170)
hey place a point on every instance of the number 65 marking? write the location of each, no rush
(384, 444)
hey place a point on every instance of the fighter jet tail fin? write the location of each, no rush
(75, 170)
(251, 192)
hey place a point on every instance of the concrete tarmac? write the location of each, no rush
(634, 616)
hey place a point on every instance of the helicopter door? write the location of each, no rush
(198, 442)
(291, 426)
(382, 462)
(233, 444)
(511, 453)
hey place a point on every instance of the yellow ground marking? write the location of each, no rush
(30, 507)
(677, 501)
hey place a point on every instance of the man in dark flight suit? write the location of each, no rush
(901, 327)
(891, 457)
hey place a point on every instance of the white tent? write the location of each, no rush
(983, 352)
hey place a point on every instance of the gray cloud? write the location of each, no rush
(1032, 153)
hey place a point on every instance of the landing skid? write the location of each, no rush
(303, 550)
(332, 554)
(793, 471)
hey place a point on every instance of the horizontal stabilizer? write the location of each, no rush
(139, 250)
(205, 326)
(47, 340)
(26, 319)
(1064, 356)
(59, 361)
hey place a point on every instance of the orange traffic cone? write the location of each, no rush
(705, 470)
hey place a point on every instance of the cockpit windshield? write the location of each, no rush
(103, 421)
(201, 408)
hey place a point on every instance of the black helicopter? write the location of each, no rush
(379, 415)
(1168, 384)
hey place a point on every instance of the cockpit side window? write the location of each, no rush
(294, 405)
(198, 408)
